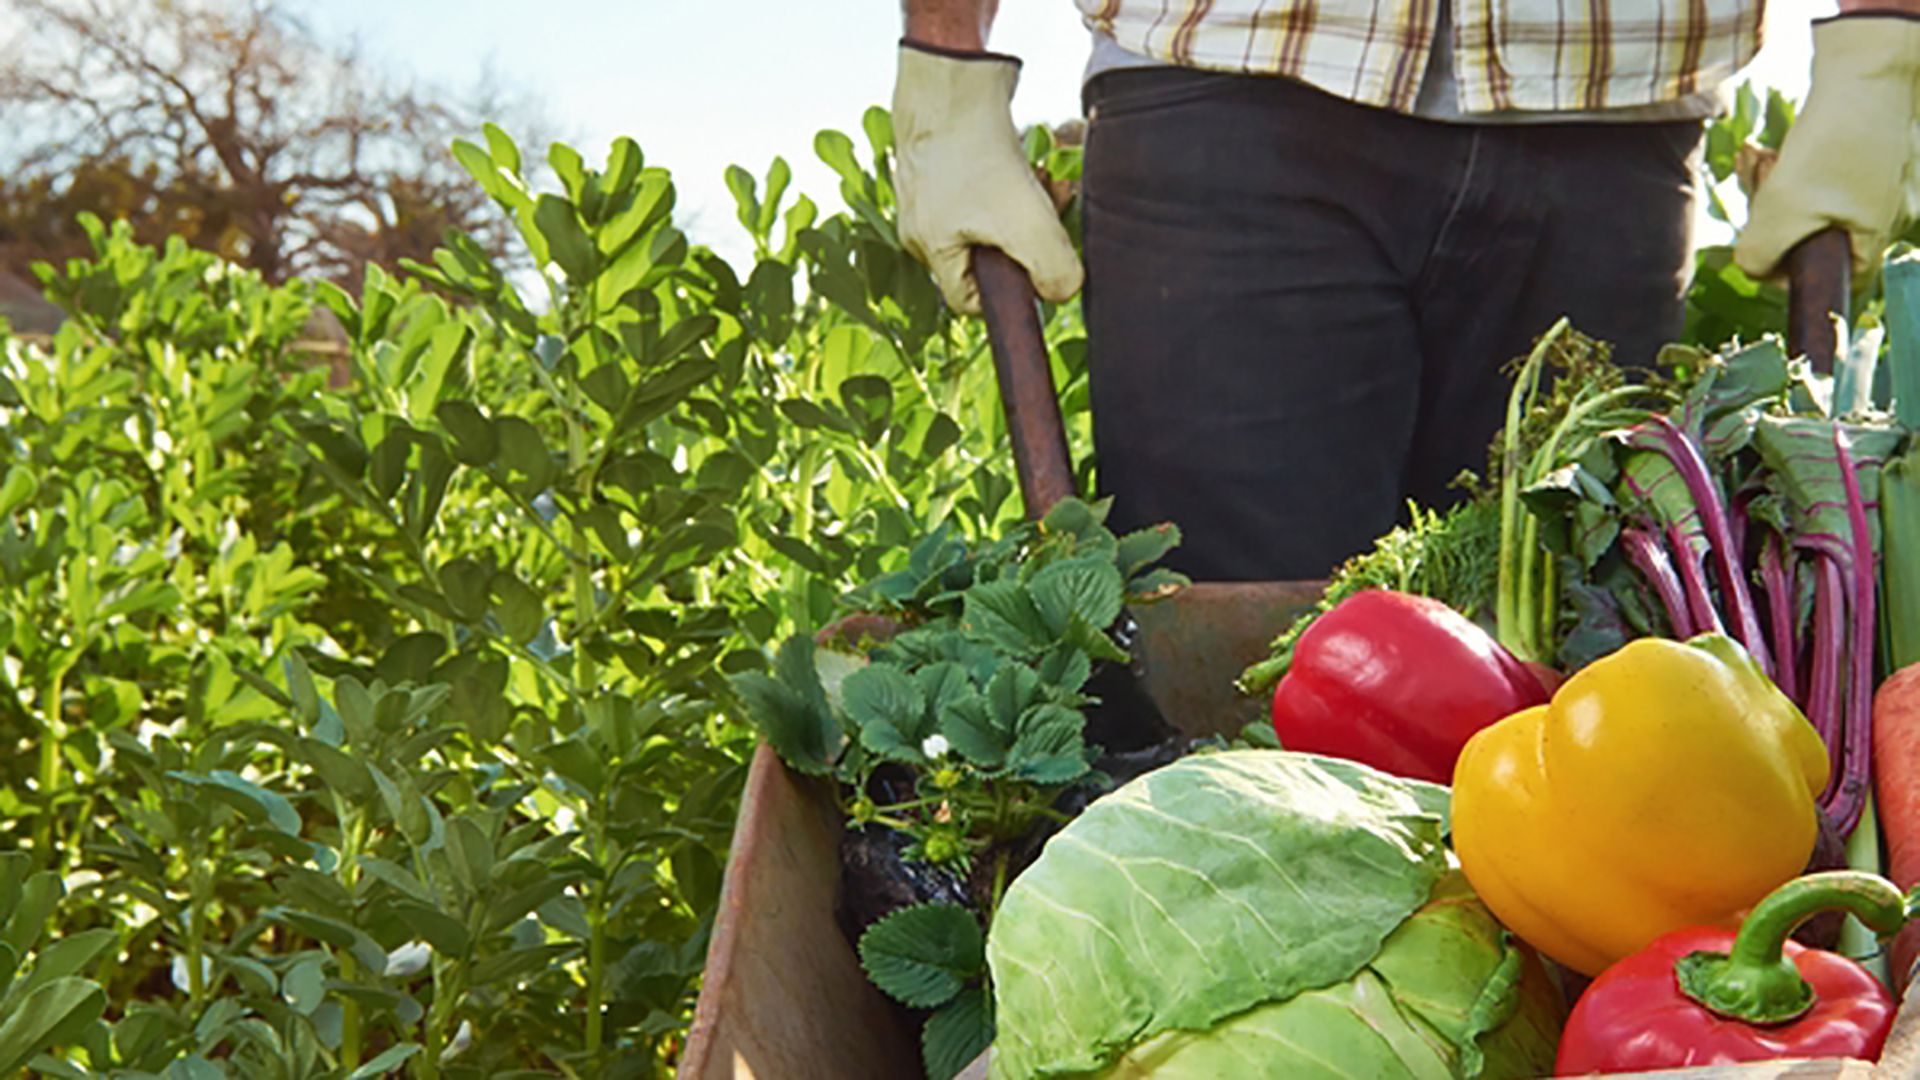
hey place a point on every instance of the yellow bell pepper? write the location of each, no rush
(1667, 785)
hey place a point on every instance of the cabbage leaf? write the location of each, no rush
(1207, 888)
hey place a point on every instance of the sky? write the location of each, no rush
(703, 84)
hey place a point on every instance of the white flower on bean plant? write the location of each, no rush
(933, 745)
(180, 973)
(409, 959)
(462, 1039)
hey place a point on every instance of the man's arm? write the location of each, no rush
(958, 24)
(1849, 160)
(960, 175)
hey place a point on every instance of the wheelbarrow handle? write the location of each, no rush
(1027, 393)
(1819, 286)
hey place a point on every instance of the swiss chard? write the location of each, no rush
(1742, 476)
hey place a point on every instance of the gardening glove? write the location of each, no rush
(963, 180)
(1850, 158)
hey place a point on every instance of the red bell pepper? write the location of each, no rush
(1398, 682)
(1707, 996)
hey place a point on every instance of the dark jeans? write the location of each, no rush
(1298, 308)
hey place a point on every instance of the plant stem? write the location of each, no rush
(1754, 981)
(912, 804)
(199, 885)
(1510, 624)
(52, 734)
(597, 932)
(352, 837)
(596, 972)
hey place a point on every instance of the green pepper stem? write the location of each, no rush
(1755, 982)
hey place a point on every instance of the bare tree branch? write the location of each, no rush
(230, 122)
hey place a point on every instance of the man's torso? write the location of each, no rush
(1515, 59)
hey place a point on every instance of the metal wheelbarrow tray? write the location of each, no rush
(784, 997)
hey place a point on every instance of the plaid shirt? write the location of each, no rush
(1558, 55)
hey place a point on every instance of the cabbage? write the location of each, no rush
(1261, 913)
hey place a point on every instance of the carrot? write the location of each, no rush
(1896, 789)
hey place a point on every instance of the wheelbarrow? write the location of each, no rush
(784, 997)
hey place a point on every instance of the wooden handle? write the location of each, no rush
(1819, 286)
(1012, 312)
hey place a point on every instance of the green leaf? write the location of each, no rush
(568, 167)
(1047, 746)
(956, 1035)
(1076, 518)
(474, 440)
(660, 394)
(943, 684)
(507, 968)
(968, 724)
(388, 467)
(746, 205)
(442, 931)
(48, 1016)
(1093, 641)
(479, 166)
(411, 657)
(1065, 668)
(38, 896)
(17, 488)
(305, 986)
(391, 1059)
(517, 607)
(253, 801)
(806, 414)
(193, 1066)
(942, 433)
(15, 866)
(397, 876)
(789, 709)
(1144, 547)
(607, 386)
(1089, 589)
(924, 955)
(684, 335)
(1155, 582)
(577, 761)
(464, 582)
(1002, 612)
(345, 774)
(306, 697)
(868, 400)
(333, 932)
(507, 909)
(68, 955)
(501, 146)
(886, 706)
(567, 241)
(1013, 689)
(523, 450)
(471, 850)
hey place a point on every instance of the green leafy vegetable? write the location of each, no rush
(1258, 910)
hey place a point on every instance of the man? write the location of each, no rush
(1316, 229)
